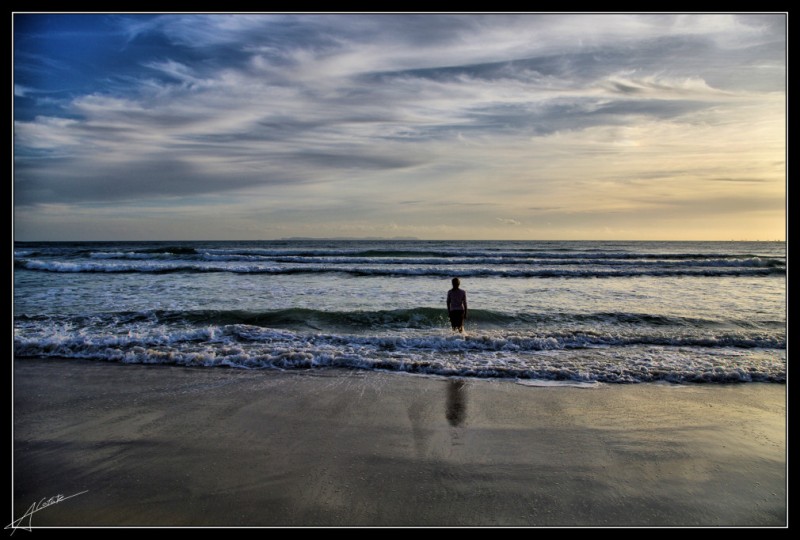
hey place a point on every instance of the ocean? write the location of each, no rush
(540, 313)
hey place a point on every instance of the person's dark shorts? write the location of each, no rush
(457, 318)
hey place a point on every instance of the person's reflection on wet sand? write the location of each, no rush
(456, 402)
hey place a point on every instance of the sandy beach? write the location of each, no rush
(174, 446)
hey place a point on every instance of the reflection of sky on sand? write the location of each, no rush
(545, 382)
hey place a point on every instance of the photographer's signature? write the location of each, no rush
(35, 507)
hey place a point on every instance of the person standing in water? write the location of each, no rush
(457, 305)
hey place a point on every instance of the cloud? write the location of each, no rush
(740, 180)
(376, 112)
(507, 221)
(21, 91)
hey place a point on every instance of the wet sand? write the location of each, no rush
(172, 446)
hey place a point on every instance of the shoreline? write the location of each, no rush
(182, 446)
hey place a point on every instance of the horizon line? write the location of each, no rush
(396, 238)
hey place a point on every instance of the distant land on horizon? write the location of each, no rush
(414, 238)
(339, 238)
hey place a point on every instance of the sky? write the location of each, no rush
(435, 126)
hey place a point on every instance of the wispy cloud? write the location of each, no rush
(508, 221)
(361, 114)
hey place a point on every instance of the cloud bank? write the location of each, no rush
(661, 126)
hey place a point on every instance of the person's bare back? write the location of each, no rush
(457, 305)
